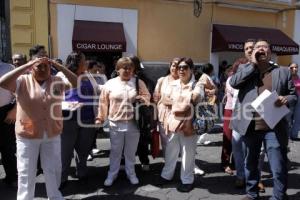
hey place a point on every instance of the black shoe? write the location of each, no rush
(185, 187)
(295, 139)
(240, 183)
(160, 181)
(83, 180)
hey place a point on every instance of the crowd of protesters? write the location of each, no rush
(50, 110)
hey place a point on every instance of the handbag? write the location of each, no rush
(155, 143)
(144, 114)
(204, 117)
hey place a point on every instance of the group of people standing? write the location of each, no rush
(47, 131)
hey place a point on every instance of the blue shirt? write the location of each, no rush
(84, 94)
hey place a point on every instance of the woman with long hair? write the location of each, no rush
(78, 131)
(160, 93)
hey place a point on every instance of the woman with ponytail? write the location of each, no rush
(78, 130)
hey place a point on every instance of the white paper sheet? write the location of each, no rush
(70, 105)
(264, 105)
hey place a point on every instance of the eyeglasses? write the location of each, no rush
(183, 67)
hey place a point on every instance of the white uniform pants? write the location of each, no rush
(123, 135)
(187, 146)
(28, 151)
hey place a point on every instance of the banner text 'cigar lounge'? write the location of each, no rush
(99, 47)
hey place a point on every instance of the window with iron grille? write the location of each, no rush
(4, 32)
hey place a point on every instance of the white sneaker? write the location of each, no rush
(146, 168)
(95, 151)
(198, 171)
(109, 181)
(90, 158)
(203, 139)
(133, 180)
(207, 142)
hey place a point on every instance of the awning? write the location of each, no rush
(232, 38)
(90, 36)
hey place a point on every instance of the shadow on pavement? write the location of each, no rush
(7, 193)
(115, 197)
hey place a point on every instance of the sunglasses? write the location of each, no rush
(183, 67)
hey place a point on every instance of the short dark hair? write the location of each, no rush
(91, 63)
(292, 63)
(23, 56)
(35, 50)
(250, 40)
(224, 62)
(136, 62)
(73, 61)
(207, 68)
(176, 59)
(188, 61)
(262, 40)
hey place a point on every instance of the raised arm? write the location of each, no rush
(246, 72)
(69, 75)
(8, 80)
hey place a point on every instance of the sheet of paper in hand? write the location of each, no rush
(264, 105)
(70, 105)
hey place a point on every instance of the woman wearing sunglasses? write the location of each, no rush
(181, 136)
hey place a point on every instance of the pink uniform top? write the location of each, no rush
(297, 85)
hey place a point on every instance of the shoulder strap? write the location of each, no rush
(194, 84)
(137, 85)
